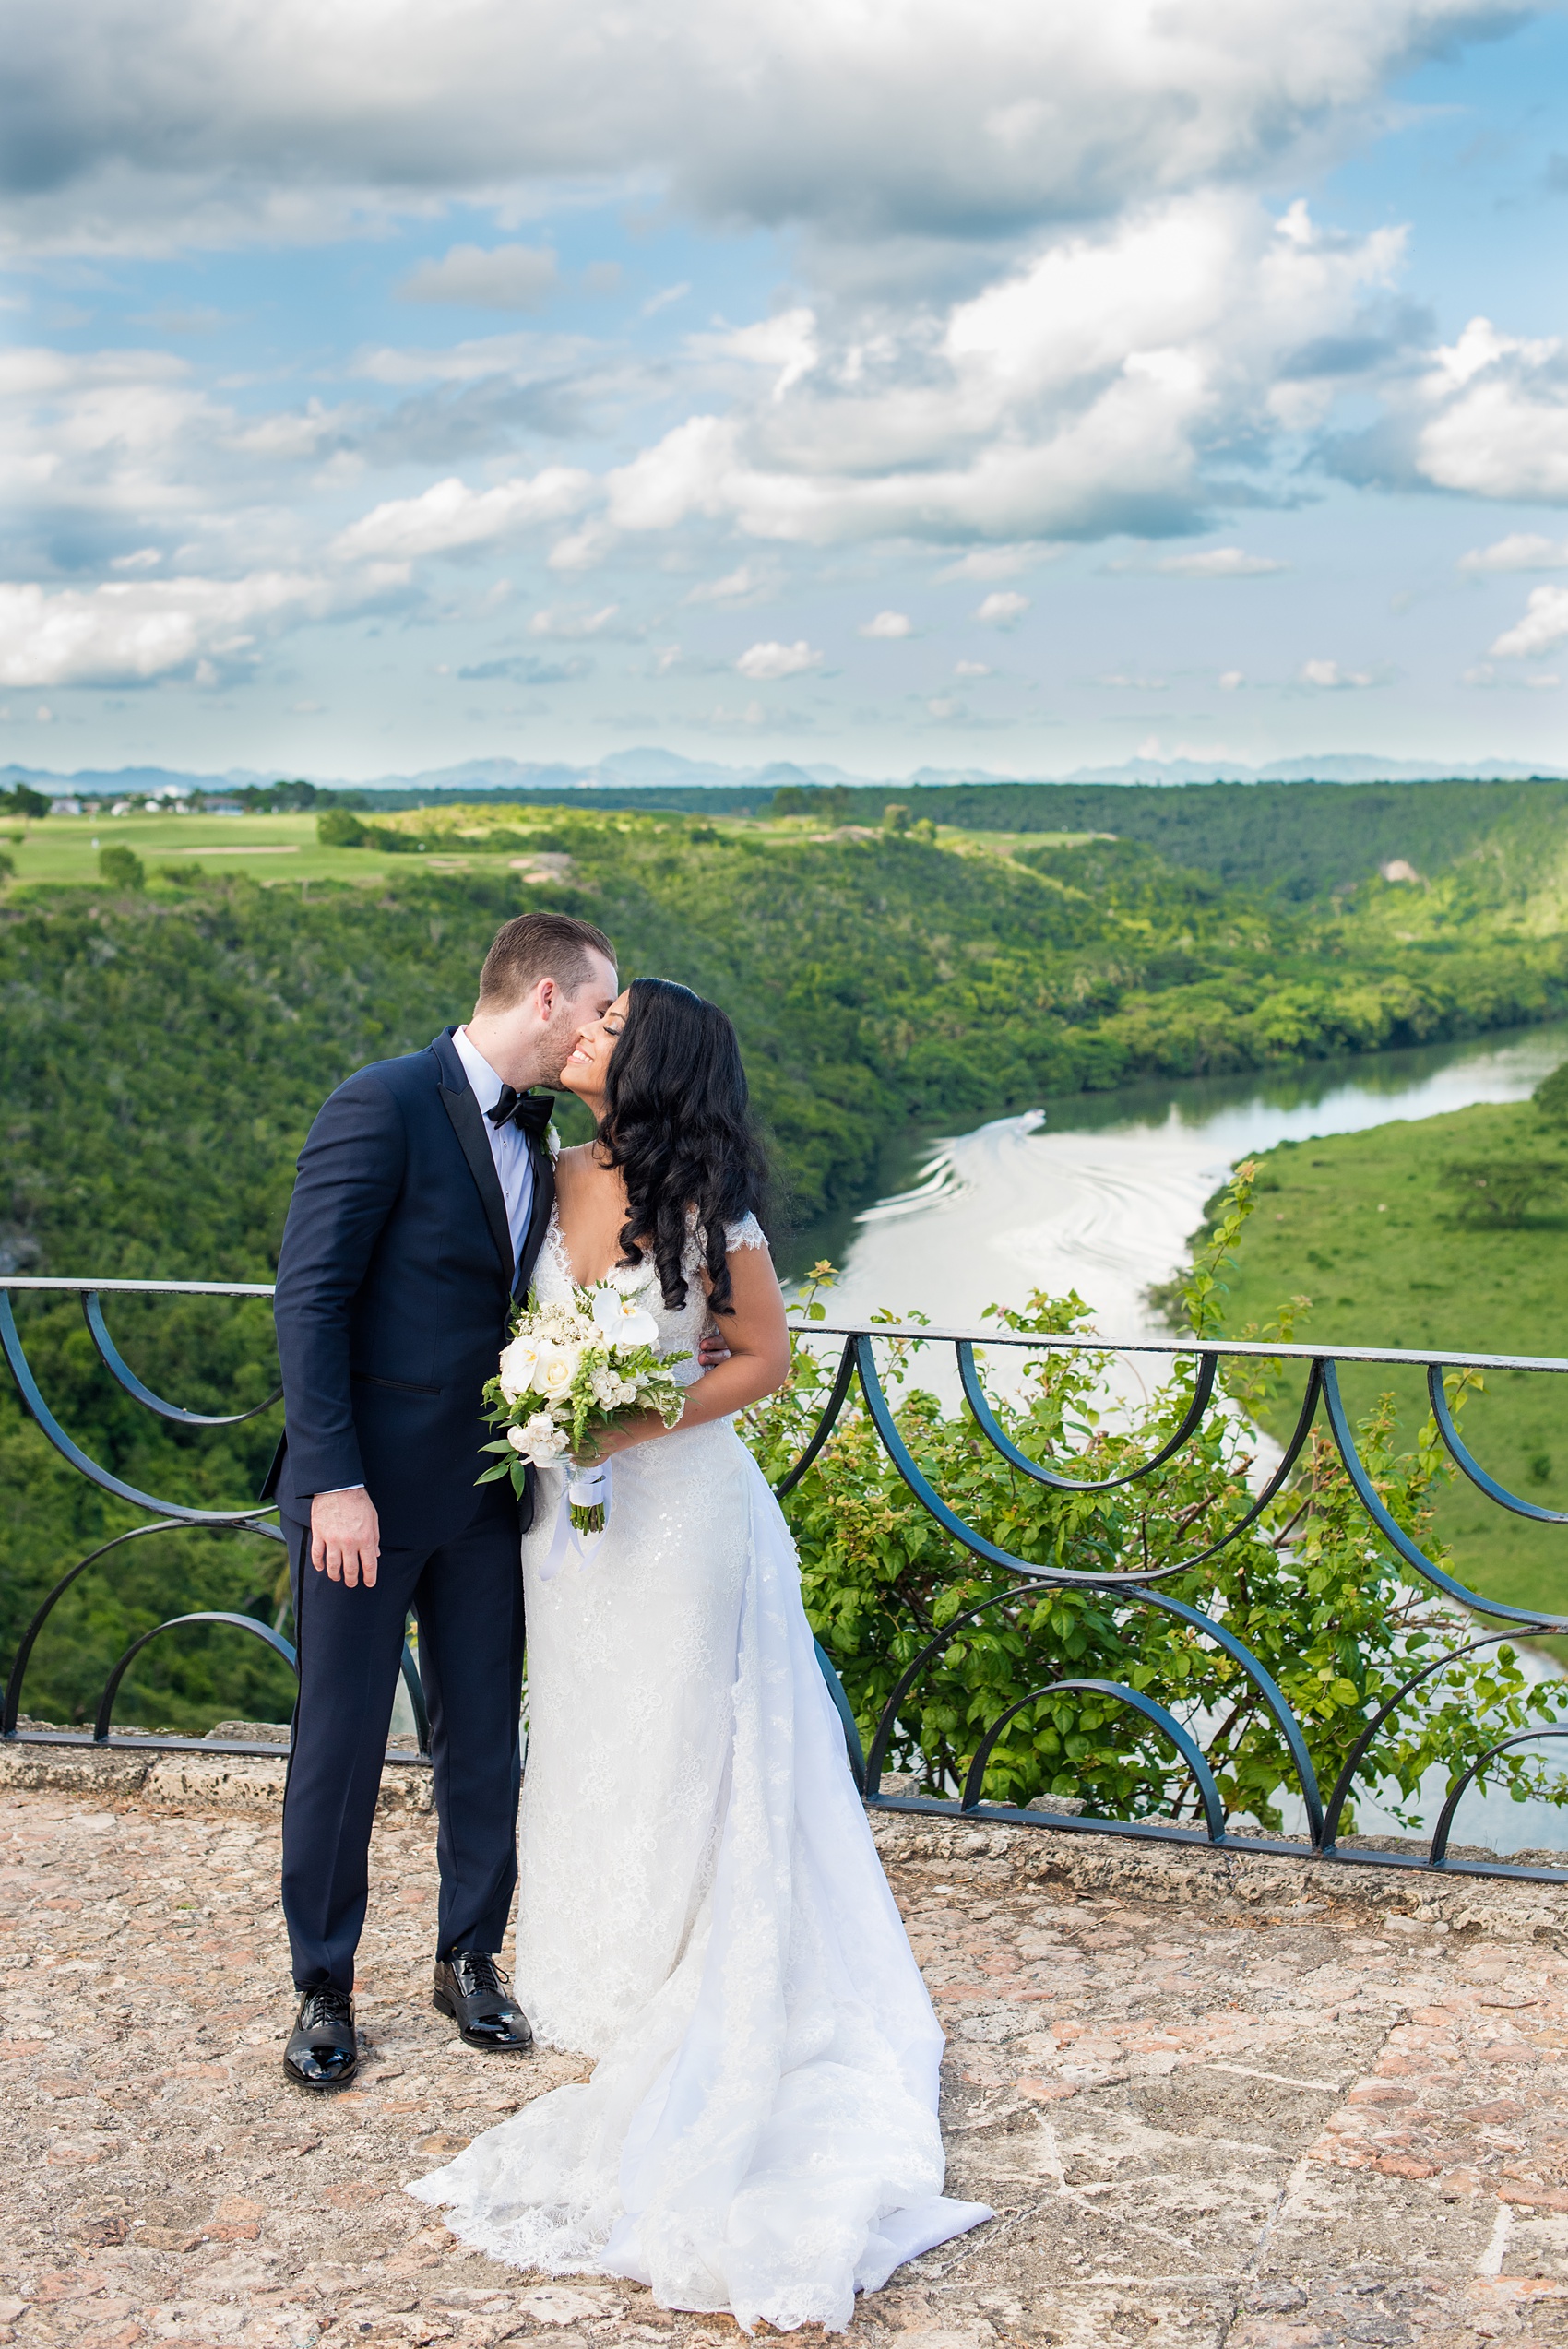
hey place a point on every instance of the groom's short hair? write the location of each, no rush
(539, 945)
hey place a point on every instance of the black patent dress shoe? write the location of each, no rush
(322, 2051)
(472, 1989)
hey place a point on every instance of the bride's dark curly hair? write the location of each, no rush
(678, 1124)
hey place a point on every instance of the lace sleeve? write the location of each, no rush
(747, 1233)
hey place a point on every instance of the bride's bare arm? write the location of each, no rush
(758, 1363)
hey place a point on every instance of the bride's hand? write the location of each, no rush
(608, 1440)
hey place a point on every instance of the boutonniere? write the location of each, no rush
(552, 1142)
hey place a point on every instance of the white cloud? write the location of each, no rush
(133, 631)
(765, 664)
(1545, 624)
(1076, 397)
(1231, 680)
(887, 624)
(567, 621)
(1520, 551)
(785, 344)
(476, 360)
(904, 125)
(1035, 292)
(1220, 563)
(1328, 677)
(740, 586)
(1003, 609)
(1136, 685)
(998, 563)
(450, 516)
(1530, 681)
(583, 550)
(1490, 418)
(503, 277)
(971, 668)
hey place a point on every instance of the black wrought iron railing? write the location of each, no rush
(251, 1519)
(1015, 1577)
(1323, 1398)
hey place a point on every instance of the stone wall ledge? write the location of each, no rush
(1073, 1861)
(181, 1780)
(1078, 1863)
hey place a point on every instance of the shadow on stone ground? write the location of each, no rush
(1214, 2100)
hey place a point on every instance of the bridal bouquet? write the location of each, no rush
(569, 1370)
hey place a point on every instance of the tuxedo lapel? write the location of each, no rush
(539, 1218)
(468, 1124)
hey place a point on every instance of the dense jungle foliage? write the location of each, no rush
(164, 1045)
(1296, 839)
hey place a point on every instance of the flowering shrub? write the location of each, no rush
(1309, 1587)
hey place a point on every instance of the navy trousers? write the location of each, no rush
(468, 1597)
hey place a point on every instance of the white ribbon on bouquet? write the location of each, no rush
(584, 1489)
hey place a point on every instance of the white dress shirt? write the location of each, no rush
(514, 1159)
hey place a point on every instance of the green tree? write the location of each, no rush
(121, 869)
(22, 799)
(1551, 1096)
(337, 829)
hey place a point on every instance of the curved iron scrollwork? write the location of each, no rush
(121, 1371)
(1187, 1747)
(163, 1516)
(1019, 1583)
(1133, 1587)
(104, 1479)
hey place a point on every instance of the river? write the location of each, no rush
(1099, 1193)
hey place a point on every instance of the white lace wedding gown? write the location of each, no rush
(702, 1909)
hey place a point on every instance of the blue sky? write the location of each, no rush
(889, 387)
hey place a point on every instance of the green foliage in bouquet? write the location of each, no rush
(1309, 1587)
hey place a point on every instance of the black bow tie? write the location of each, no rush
(529, 1112)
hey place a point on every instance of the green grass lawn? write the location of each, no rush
(63, 850)
(1363, 1224)
(60, 848)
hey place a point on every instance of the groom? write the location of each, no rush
(424, 1193)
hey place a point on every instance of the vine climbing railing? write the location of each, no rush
(856, 1385)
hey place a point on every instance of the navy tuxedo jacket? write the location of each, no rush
(395, 1284)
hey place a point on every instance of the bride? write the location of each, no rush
(702, 1909)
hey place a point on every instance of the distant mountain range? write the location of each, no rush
(652, 768)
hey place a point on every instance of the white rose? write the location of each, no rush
(518, 1363)
(557, 1369)
(518, 1440)
(540, 1428)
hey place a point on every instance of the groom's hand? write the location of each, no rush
(345, 1537)
(711, 1349)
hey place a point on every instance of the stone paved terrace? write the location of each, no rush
(1215, 2099)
